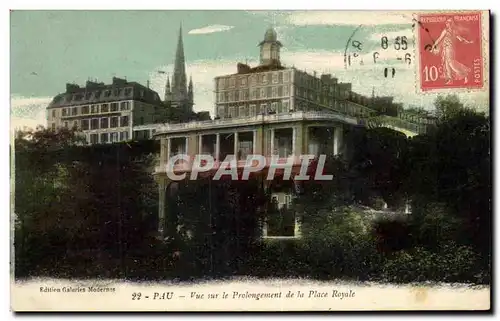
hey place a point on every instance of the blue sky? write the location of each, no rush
(50, 48)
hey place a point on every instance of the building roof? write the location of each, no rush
(98, 92)
(246, 69)
(270, 35)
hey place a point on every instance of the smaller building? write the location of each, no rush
(106, 113)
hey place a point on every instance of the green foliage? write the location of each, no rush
(339, 243)
(451, 263)
(450, 166)
(69, 202)
(436, 225)
(379, 166)
(393, 234)
(448, 107)
(221, 226)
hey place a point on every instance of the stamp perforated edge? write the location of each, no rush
(485, 34)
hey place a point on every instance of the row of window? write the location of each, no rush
(255, 93)
(97, 123)
(104, 138)
(314, 97)
(277, 77)
(321, 96)
(92, 109)
(253, 109)
(280, 77)
(313, 82)
(277, 92)
(99, 94)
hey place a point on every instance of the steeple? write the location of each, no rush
(179, 90)
(168, 92)
(190, 89)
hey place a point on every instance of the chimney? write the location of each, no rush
(119, 81)
(242, 68)
(71, 88)
(147, 84)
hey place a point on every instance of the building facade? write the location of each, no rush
(273, 88)
(105, 113)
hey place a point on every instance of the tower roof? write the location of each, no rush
(270, 35)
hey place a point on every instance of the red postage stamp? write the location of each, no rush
(450, 51)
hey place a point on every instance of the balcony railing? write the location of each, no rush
(272, 118)
(351, 113)
(401, 123)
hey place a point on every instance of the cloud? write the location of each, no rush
(210, 29)
(28, 111)
(305, 18)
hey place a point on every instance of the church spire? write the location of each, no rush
(190, 89)
(168, 92)
(179, 90)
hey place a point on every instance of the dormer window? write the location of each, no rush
(107, 93)
(97, 94)
(128, 91)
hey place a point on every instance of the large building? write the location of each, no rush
(179, 94)
(106, 113)
(270, 110)
(273, 88)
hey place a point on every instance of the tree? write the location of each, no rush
(450, 167)
(49, 191)
(76, 202)
(379, 166)
(448, 107)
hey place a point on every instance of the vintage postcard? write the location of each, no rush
(250, 160)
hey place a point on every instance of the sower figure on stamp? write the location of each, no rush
(452, 69)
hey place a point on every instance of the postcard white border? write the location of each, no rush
(290, 4)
